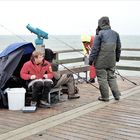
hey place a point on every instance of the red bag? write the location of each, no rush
(92, 72)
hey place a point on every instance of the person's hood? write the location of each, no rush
(104, 23)
(85, 38)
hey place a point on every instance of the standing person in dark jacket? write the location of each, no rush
(104, 55)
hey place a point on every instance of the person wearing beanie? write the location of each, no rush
(62, 80)
(104, 55)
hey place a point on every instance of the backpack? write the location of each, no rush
(65, 90)
(54, 98)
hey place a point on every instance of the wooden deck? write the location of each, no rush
(112, 122)
(84, 118)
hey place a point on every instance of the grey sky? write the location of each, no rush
(69, 17)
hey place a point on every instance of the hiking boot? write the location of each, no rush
(44, 104)
(117, 98)
(75, 96)
(33, 103)
(92, 80)
(103, 99)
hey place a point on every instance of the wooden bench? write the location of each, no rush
(76, 70)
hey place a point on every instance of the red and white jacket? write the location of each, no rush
(29, 68)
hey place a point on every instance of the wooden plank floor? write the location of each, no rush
(120, 120)
(13, 120)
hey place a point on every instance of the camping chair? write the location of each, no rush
(53, 91)
(57, 91)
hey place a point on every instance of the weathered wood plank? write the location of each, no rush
(130, 49)
(73, 134)
(128, 68)
(115, 121)
(75, 69)
(72, 60)
(105, 123)
(80, 50)
(132, 58)
(93, 130)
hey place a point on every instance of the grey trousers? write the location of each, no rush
(106, 78)
(68, 80)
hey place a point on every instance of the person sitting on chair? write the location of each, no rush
(65, 80)
(38, 74)
(62, 79)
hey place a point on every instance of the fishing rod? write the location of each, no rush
(12, 32)
(124, 78)
(68, 68)
(78, 75)
(119, 74)
(68, 45)
(58, 40)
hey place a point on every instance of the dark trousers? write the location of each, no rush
(40, 90)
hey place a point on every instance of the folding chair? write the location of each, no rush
(54, 90)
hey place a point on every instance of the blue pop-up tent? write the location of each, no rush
(11, 60)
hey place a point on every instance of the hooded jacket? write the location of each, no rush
(29, 68)
(107, 46)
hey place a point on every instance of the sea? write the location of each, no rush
(71, 42)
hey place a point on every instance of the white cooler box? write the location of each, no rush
(16, 98)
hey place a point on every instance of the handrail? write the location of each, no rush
(77, 50)
(132, 58)
(130, 49)
(81, 59)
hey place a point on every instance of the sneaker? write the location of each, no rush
(117, 98)
(44, 104)
(75, 96)
(33, 103)
(103, 99)
(92, 80)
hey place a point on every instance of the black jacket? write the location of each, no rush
(107, 46)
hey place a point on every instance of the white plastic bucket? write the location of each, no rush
(16, 98)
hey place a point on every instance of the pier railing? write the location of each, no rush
(130, 58)
(85, 68)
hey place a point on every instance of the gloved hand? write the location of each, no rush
(69, 75)
(117, 59)
(87, 55)
(90, 63)
(33, 77)
(45, 76)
